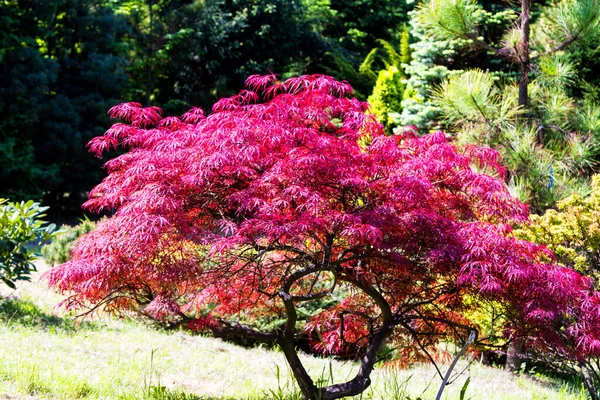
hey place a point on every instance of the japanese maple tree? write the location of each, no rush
(290, 192)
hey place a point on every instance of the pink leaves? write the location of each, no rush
(223, 209)
(135, 132)
(259, 83)
(202, 324)
(125, 111)
(363, 235)
(146, 117)
(135, 114)
(99, 145)
(193, 116)
(225, 104)
(486, 158)
(162, 307)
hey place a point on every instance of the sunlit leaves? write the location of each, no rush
(474, 98)
(21, 224)
(447, 19)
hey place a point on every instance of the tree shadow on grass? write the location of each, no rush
(25, 313)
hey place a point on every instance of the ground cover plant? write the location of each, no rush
(290, 192)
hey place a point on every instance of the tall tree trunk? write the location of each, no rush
(523, 54)
(151, 51)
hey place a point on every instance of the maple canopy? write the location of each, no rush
(289, 193)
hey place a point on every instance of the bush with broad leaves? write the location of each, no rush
(22, 228)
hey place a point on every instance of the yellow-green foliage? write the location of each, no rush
(405, 52)
(387, 96)
(572, 231)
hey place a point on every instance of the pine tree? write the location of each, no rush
(545, 135)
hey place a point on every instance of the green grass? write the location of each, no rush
(46, 356)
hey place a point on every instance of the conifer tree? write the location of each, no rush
(547, 137)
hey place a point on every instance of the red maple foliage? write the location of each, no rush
(290, 192)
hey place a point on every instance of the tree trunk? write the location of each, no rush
(305, 382)
(523, 54)
(589, 382)
(362, 379)
(286, 343)
(513, 356)
(151, 52)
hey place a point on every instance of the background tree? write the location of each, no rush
(434, 60)
(547, 138)
(350, 30)
(61, 68)
(247, 213)
(25, 77)
(196, 52)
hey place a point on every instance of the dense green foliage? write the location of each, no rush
(389, 90)
(187, 52)
(571, 231)
(61, 68)
(65, 62)
(21, 226)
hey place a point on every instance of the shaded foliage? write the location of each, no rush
(196, 52)
(61, 68)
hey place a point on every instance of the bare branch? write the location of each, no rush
(228, 330)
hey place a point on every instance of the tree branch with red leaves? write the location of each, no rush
(289, 194)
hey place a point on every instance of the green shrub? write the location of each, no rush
(387, 96)
(22, 230)
(59, 250)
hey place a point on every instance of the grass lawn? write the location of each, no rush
(46, 356)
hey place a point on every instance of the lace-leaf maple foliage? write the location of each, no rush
(290, 192)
